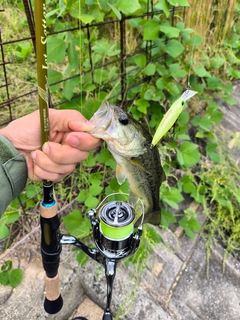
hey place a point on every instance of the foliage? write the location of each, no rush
(170, 57)
(10, 276)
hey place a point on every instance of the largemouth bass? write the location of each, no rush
(137, 161)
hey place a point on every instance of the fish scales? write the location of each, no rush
(137, 161)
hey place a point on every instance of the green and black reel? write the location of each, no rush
(115, 238)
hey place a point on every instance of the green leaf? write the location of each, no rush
(189, 225)
(214, 83)
(151, 30)
(76, 224)
(128, 7)
(183, 118)
(73, 52)
(100, 75)
(15, 277)
(90, 161)
(205, 123)
(176, 71)
(95, 190)
(82, 258)
(7, 266)
(229, 99)
(202, 72)
(69, 87)
(189, 187)
(194, 41)
(150, 69)
(165, 7)
(77, 12)
(95, 178)
(172, 196)
(188, 154)
(178, 2)
(193, 224)
(104, 156)
(4, 231)
(211, 146)
(174, 48)
(4, 279)
(195, 121)
(72, 220)
(170, 32)
(91, 202)
(140, 60)
(153, 235)
(115, 10)
(214, 157)
(82, 196)
(189, 233)
(167, 217)
(11, 216)
(142, 105)
(56, 49)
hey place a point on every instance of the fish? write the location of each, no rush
(137, 159)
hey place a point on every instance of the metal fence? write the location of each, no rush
(13, 97)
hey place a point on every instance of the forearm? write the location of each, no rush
(13, 172)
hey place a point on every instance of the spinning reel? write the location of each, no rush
(114, 237)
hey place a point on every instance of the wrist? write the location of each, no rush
(7, 150)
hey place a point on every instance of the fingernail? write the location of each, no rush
(45, 148)
(88, 126)
(72, 141)
(33, 155)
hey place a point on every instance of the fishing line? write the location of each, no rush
(80, 55)
(191, 62)
(124, 194)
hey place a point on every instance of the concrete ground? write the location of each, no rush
(178, 283)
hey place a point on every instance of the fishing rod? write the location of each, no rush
(50, 245)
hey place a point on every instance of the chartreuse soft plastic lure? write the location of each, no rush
(172, 115)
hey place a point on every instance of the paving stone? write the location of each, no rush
(129, 299)
(178, 241)
(89, 310)
(213, 298)
(25, 302)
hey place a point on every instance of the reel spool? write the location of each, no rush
(116, 227)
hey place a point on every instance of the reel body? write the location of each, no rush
(116, 227)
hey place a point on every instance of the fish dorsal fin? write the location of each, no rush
(120, 174)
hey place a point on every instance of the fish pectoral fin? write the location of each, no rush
(133, 199)
(137, 163)
(120, 174)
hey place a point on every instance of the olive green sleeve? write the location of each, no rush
(13, 173)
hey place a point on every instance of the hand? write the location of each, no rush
(68, 145)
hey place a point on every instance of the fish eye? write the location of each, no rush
(123, 120)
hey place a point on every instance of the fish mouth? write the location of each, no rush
(102, 118)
